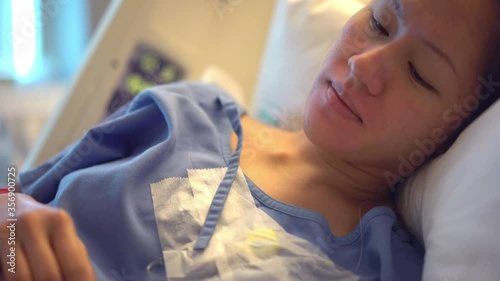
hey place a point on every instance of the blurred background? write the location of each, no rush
(67, 64)
(42, 44)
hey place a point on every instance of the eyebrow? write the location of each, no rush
(399, 11)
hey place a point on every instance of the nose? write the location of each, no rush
(368, 71)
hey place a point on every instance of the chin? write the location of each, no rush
(332, 139)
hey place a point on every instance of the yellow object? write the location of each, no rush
(263, 242)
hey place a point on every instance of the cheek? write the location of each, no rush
(417, 131)
(353, 40)
(408, 119)
(355, 34)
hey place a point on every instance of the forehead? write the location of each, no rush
(461, 28)
(468, 14)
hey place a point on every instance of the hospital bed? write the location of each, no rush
(239, 44)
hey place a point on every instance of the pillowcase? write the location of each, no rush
(300, 36)
(452, 203)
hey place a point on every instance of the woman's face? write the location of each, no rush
(408, 70)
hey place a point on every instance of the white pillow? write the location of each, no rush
(451, 204)
(300, 36)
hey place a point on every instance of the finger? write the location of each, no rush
(20, 269)
(34, 234)
(70, 251)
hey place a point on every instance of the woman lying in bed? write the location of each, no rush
(169, 187)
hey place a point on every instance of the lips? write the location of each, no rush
(343, 104)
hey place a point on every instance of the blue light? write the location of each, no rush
(42, 39)
(26, 40)
(72, 35)
(5, 41)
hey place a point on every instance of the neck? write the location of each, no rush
(356, 183)
(302, 176)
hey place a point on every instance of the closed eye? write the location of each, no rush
(377, 27)
(415, 76)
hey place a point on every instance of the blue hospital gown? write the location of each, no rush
(103, 181)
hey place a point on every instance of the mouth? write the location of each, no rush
(342, 106)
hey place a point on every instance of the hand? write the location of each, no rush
(46, 246)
